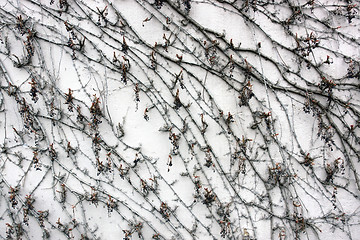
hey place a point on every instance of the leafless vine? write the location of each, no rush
(187, 120)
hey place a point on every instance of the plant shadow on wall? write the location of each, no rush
(187, 120)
